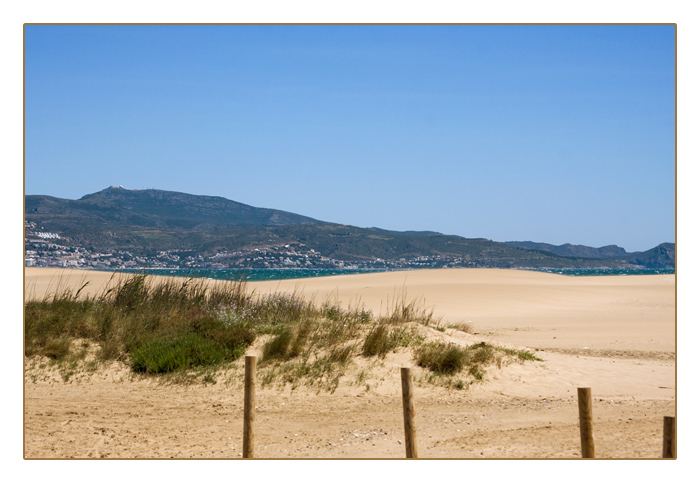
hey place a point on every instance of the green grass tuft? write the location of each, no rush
(157, 327)
(169, 354)
(383, 338)
(56, 348)
(441, 358)
(521, 354)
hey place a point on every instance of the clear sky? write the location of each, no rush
(557, 134)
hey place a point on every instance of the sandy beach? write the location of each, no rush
(615, 334)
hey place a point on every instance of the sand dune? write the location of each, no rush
(614, 334)
(539, 310)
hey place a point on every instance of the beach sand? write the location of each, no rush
(614, 334)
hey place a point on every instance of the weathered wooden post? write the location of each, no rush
(585, 414)
(409, 425)
(249, 408)
(669, 448)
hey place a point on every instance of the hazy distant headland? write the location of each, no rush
(119, 228)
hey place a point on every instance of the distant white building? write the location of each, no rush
(46, 235)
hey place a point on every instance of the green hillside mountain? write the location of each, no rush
(662, 256)
(161, 209)
(569, 250)
(148, 222)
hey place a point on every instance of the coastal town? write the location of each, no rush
(48, 249)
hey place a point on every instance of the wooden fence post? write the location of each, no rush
(669, 448)
(249, 408)
(408, 413)
(585, 414)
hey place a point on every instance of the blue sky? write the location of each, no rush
(545, 133)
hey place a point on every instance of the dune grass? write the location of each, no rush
(155, 327)
(171, 327)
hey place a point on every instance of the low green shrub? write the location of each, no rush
(169, 354)
(161, 326)
(441, 358)
(528, 356)
(481, 353)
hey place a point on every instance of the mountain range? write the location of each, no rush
(661, 256)
(146, 222)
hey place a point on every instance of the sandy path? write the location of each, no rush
(613, 334)
(135, 420)
(526, 410)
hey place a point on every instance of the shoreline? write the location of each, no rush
(599, 271)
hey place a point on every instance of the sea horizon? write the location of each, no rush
(267, 274)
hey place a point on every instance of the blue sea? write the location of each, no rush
(256, 275)
(584, 272)
(251, 275)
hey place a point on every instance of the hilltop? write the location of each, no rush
(117, 227)
(661, 256)
(160, 209)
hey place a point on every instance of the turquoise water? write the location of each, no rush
(253, 275)
(257, 275)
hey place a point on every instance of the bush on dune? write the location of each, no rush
(170, 326)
